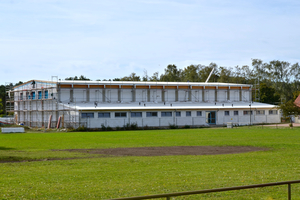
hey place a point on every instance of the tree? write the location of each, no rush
(131, 77)
(81, 78)
(268, 94)
(190, 74)
(1, 107)
(172, 74)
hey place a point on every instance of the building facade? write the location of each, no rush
(94, 104)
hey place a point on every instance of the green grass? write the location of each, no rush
(113, 177)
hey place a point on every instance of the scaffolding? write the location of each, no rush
(36, 105)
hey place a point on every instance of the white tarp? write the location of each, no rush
(13, 130)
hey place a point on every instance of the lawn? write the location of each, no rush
(92, 176)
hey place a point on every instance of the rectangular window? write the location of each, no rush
(247, 112)
(273, 112)
(260, 112)
(151, 114)
(27, 95)
(39, 94)
(136, 114)
(166, 114)
(178, 114)
(199, 113)
(46, 94)
(21, 96)
(87, 115)
(120, 114)
(226, 113)
(188, 113)
(33, 95)
(236, 112)
(103, 115)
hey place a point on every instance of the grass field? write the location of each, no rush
(94, 177)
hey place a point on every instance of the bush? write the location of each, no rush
(186, 126)
(103, 128)
(108, 128)
(134, 126)
(81, 128)
(173, 126)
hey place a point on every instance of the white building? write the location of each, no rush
(116, 104)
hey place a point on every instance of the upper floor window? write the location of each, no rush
(226, 113)
(188, 113)
(236, 112)
(46, 94)
(178, 114)
(199, 113)
(39, 94)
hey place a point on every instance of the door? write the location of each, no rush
(211, 117)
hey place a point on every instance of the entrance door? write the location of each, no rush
(211, 117)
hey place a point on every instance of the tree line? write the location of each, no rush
(277, 81)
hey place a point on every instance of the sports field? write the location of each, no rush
(77, 165)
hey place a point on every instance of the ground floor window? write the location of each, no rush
(151, 114)
(166, 114)
(260, 112)
(247, 112)
(136, 114)
(188, 113)
(87, 115)
(199, 113)
(273, 112)
(120, 114)
(103, 115)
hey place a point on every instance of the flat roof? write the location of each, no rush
(150, 83)
(168, 106)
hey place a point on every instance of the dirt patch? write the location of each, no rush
(169, 151)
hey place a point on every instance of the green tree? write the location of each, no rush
(190, 74)
(268, 94)
(81, 78)
(172, 74)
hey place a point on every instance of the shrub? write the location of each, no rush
(81, 128)
(134, 126)
(173, 126)
(103, 128)
(186, 126)
(108, 128)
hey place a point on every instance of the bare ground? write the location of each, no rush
(148, 151)
(169, 151)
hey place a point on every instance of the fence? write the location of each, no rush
(169, 195)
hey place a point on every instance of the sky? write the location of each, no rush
(112, 38)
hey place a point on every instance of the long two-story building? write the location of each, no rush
(94, 104)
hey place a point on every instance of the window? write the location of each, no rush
(27, 95)
(120, 114)
(199, 113)
(247, 112)
(178, 114)
(39, 94)
(21, 96)
(103, 115)
(226, 113)
(166, 114)
(273, 112)
(136, 114)
(33, 95)
(151, 114)
(46, 94)
(260, 112)
(236, 112)
(188, 113)
(87, 115)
